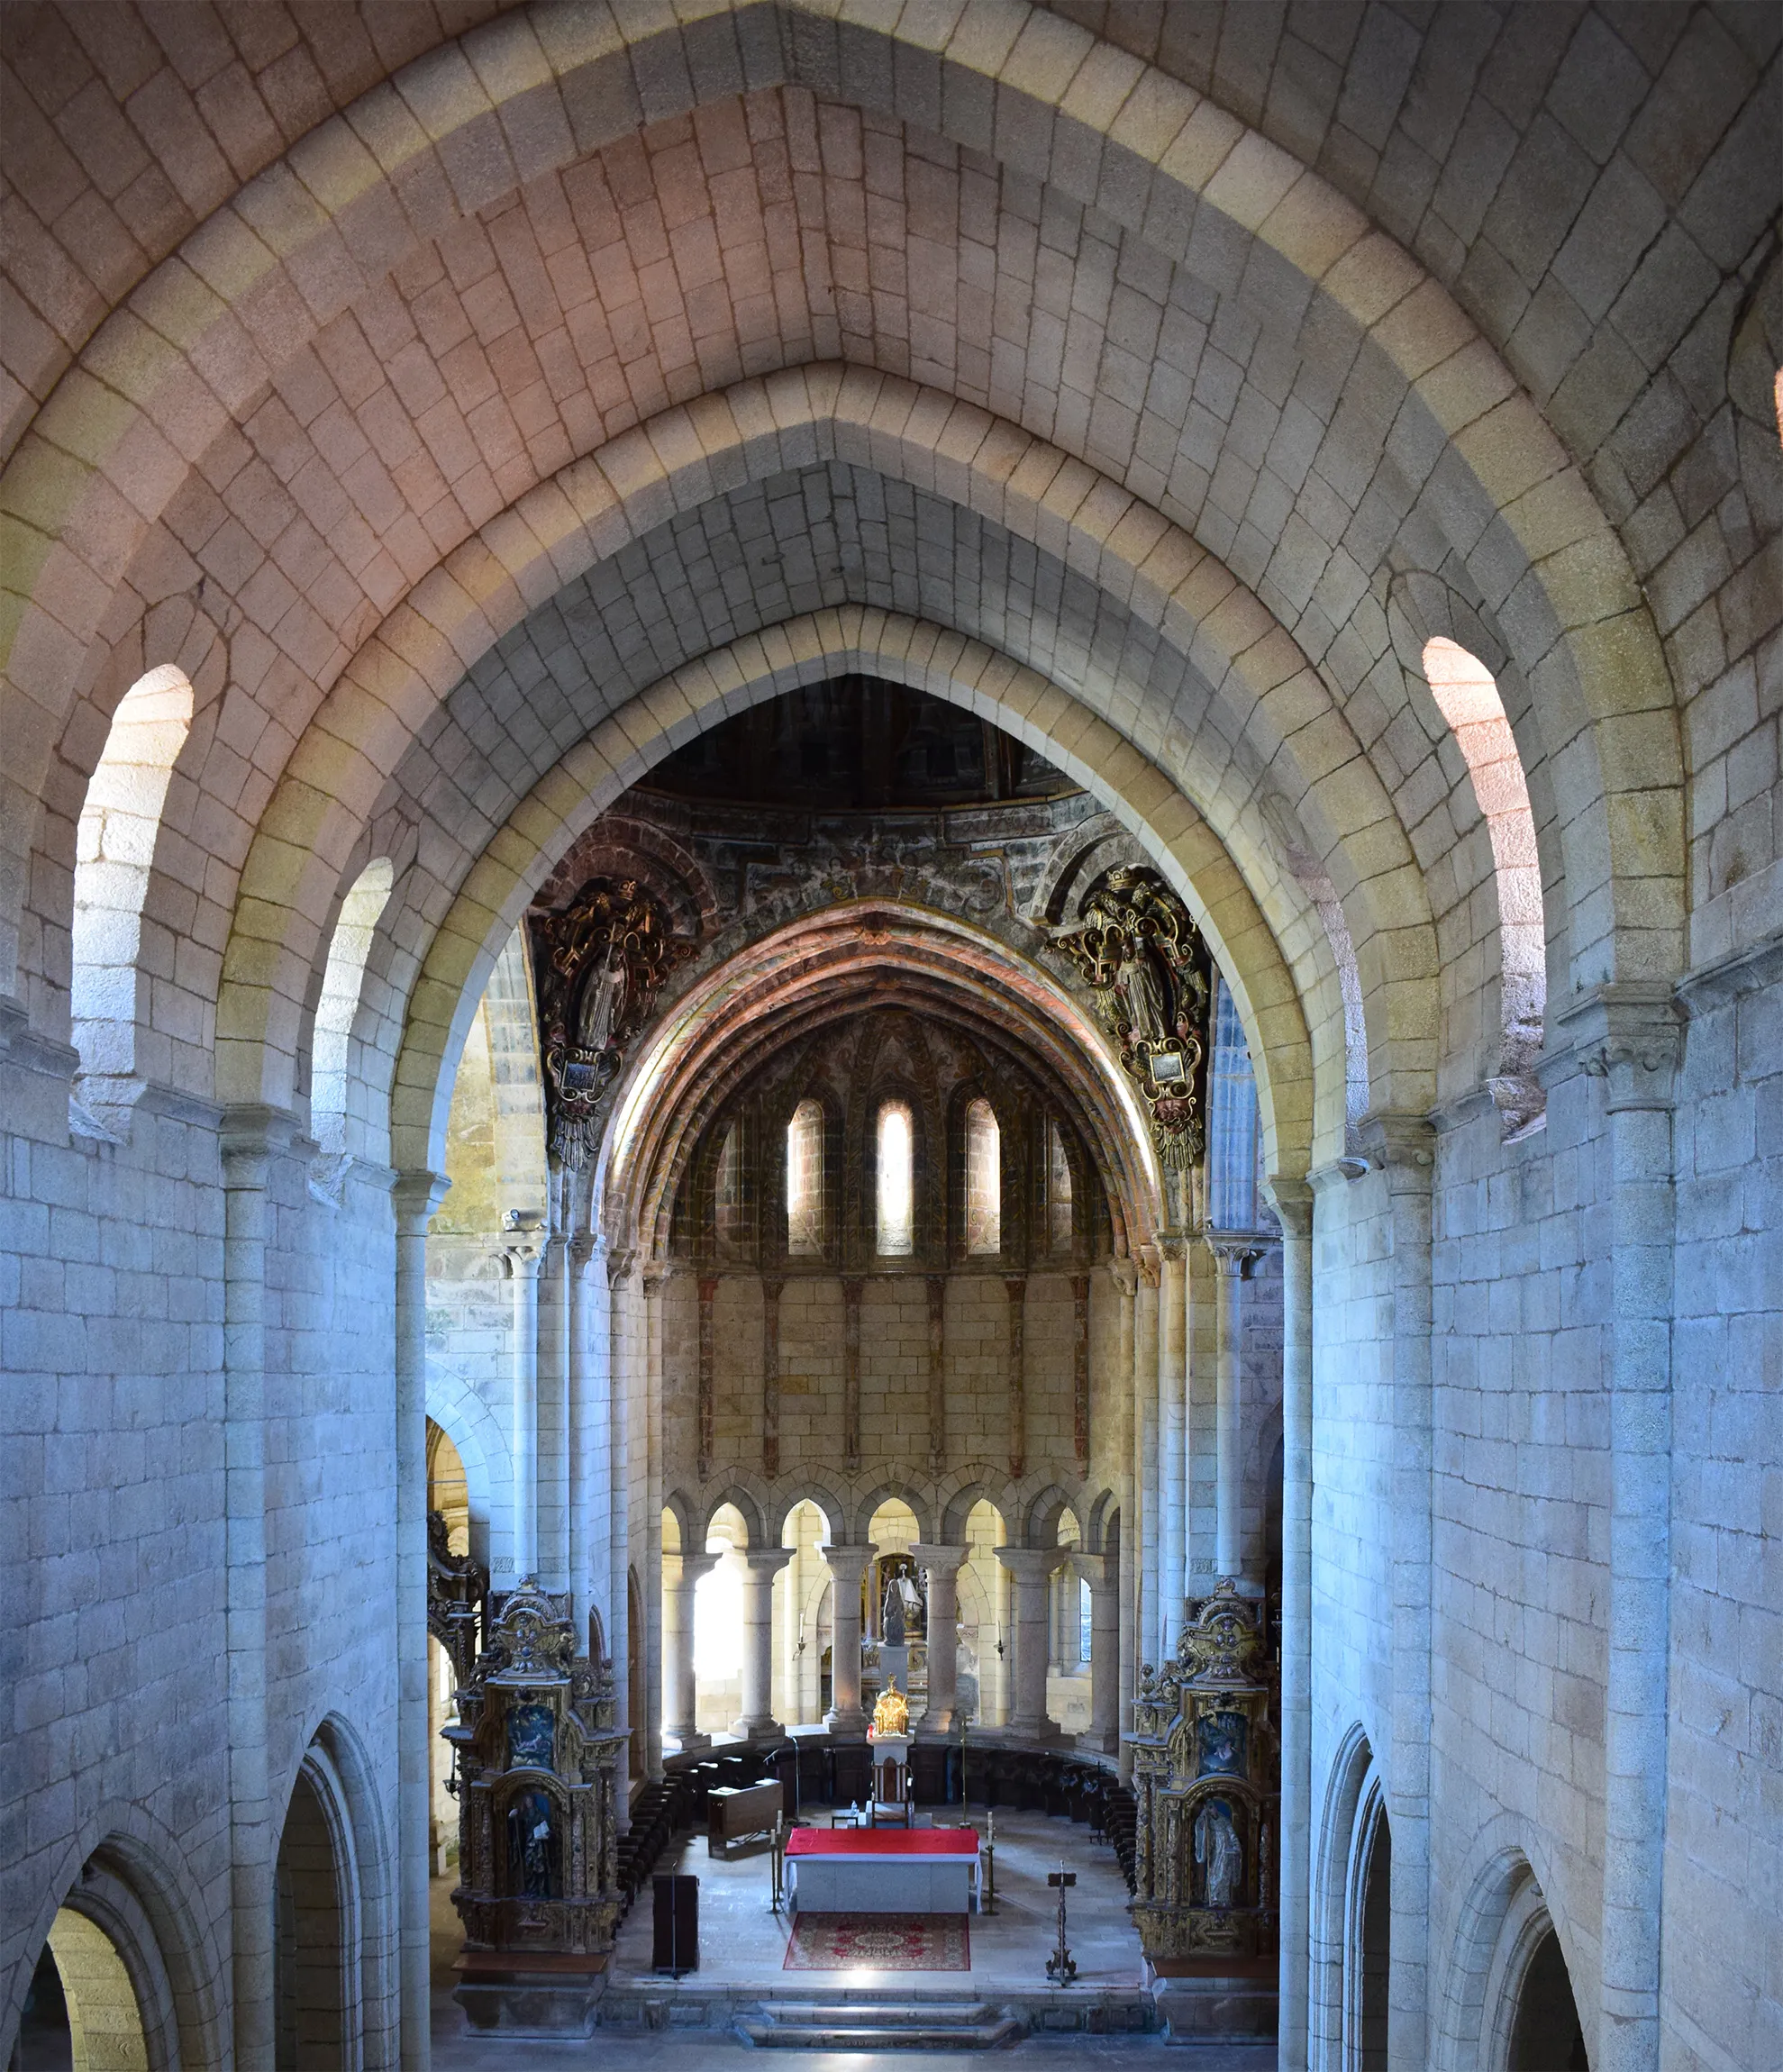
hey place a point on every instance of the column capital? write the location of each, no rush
(1033, 1564)
(767, 1561)
(1170, 1246)
(1629, 1035)
(417, 1194)
(937, 1559)
(849, 1564)
(1145, 1257)
(693, 1566)
(1100, 1571)
(1404, 1140)
(252, 1133)
(1124, 1275)
(1233, 1250)
(1293, 1202)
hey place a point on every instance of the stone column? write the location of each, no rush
(417, 1195)
(1102, 1572)
(655, 1282)
(1031, 1571)
(1126, 1279)
(680, 1575)
(1629, 1036)
(1293, 1202)
(1403, 1147)
(941, 1567)
(552, 1384)
(589, 1399)
(847, 1564)
(1145, 1419)
(253, 1138)
(1232, 1251)
(1172, 1438)
(759, 1566)
(523, 1259)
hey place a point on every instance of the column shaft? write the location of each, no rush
(680, 1573)
(1172, 1438)
(847, 1566)
(1146, 1582)
(760, 1567)
(417, 1195)
(941, 1567)
(1294, 1205)
(1231, 1254)
(523, 1261)
(251, 1138)
(1031, 1571)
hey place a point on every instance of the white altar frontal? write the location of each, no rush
(882, 1870)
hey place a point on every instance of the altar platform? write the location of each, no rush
(883, 1870)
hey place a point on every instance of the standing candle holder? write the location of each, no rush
(1059, 1968)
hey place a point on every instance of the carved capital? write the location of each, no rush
(1632, 1037)
(1233, 1250)
(1292, 1200)
(417, 1195)
(1401, 1141)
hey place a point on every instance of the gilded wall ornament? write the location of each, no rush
(597, 966)
(1148, 972)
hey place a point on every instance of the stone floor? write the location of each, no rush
(743, 1944)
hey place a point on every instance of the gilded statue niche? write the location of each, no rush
(1204, 1744)
(538, 1780)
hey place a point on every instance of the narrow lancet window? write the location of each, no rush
(730, 1202)
(984, 1181)
(1468, 699)
(1058, 1210)
(896, 1220)
(805, 1181)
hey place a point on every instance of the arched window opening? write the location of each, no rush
(115, 967)
(1468, 699)
(718, 1627)
(981, 1693)
(730, 1197)
(896, 1190)
(1548, 2037)
(984, 1181)
(805, 1181)
(344, 978)
(1059, 1206)
(81, 2009)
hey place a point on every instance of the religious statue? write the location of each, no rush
(1205, 1782)
(891, 1716)
(1219, 1853)
(1149, 975)
(603, 998)
(900, 1601)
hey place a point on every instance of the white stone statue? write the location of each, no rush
(1219, 1852)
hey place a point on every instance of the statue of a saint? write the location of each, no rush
(1219, 1852)
(1147, 1006)
(891, 1716)
(602, 993)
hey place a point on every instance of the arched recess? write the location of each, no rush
(496, 889)
(461, 1413)
(126, 1877)
(1352, 1823)
(334, 1987)
(1123, 137)
(1508, 2001)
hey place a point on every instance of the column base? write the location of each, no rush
(762, 1730)
(686, 1743)
(1100, 1741)
(848, 1726)
(540, 1996)
(1040, 1729)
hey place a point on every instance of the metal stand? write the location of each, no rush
(779, 1899)
(1060, 1969)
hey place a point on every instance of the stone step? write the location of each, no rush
(853, 2023)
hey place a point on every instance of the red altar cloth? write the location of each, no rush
(882, 1842)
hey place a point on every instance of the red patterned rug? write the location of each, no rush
(879, 1942)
